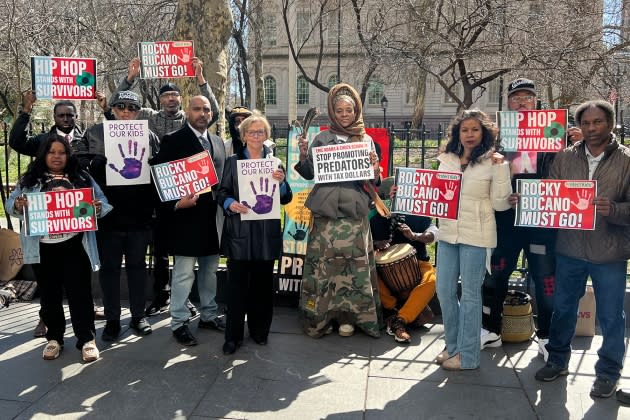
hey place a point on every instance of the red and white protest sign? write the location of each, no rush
(533, 131)
(183, 177)
(558, 204)
(63, 211)
(166, 59)
(63, 77)
(426, 192)
(342, 162)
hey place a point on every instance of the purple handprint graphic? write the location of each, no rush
(264, 202)
(133, 166)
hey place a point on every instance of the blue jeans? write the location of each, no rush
(462, 320)
(183, 279)
(609, 284)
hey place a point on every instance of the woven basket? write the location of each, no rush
(518, 317)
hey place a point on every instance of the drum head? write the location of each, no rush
(394, 253)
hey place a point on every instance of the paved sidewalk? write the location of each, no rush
(293, 377)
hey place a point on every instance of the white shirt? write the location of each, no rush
(593, 162)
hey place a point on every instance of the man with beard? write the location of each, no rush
(192, 221)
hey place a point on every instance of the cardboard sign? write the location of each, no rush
(257, 189)
(63, 211)
(180, 178)
(558, 204)
(426, 192)
(127, 150)
(63, 77)
(342, 162)
(166, 59)
(587, 309)
(533, 131)
(289, 278)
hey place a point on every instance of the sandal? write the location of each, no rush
(89, 351)
(52, 350)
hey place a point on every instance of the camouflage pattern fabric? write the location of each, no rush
(339, 279)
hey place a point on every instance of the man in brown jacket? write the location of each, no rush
(601, 254)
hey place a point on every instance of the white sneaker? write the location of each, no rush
(542, 350)
(346, 330)
(490, 339)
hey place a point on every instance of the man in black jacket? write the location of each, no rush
(65, 115)
(126, 230)
(193, 221)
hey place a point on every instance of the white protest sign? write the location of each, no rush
(342, 162)
(257, 189)
(127, 150)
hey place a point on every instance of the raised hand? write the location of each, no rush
(449, 193)
(584, 199)
(133, 69)
(133, 166)
(300, 231)
(303, 146)
(264, 201)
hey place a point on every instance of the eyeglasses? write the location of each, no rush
(521, 98)
(169, 94)
(65, 115)
(257, 133)
(130, 107)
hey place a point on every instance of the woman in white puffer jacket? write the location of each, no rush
(466, 244)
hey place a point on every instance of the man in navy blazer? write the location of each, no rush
(194, 224)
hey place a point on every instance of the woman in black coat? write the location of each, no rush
(252, 246)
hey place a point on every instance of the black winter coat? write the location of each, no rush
(253, 240)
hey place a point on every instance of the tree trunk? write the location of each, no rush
(419, 97)
(208, 23)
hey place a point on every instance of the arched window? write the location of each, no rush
(375, 93)
(269, 84)
(302, 91)
(332, 80)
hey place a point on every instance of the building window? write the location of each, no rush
(333, 28)
(270, 31)
(410, 95)
(458, 90)
(493, 91)
(303, 30)
(269, 84)
(332, 81)
(302, 91)
(375, 93)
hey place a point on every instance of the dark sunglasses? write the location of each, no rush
(130, 107)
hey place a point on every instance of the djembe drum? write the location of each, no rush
(398, 268)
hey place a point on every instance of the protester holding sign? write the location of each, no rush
(601, 254)
(466, 243)
(169, 118)
(126, 230)
(339, 279)
(407, 295)
(193, 225)
(538, 244)
(61, 262)
(65, 116)
(252, 246)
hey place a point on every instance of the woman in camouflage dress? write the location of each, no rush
(339, 278)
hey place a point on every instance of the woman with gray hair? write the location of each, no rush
(251, 246)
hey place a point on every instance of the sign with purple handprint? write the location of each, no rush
(127, 150)
(257, 189)
(427, 192)
(556, 204)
